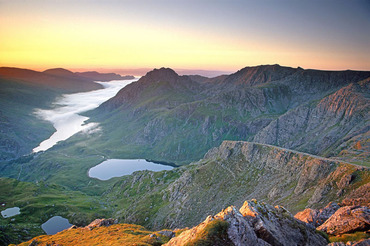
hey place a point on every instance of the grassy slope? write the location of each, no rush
(39, 202)
(120, 234)
(21, 130)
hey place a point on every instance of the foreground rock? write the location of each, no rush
(101, 222)
(346, 220)
(317, 217)
(254, 224)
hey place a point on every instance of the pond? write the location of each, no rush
(55, 225)
(9, 212)
(120, 167)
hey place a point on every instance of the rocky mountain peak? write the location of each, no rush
(162, 74)
(251, 76)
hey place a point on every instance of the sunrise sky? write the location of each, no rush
(190, 34)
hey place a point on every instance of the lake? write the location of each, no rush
(9, 212)
(65, 114)
(55, 225)
(121, 167)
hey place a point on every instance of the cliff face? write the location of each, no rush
(230, 174)
(336, 122)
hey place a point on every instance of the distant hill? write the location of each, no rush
(58, 79)
(104, 76)
(21, 92)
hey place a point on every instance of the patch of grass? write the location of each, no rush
(39, 202)
(120, 234)
(357, 236)
(325, 235)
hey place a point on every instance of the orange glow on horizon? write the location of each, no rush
(41, 42)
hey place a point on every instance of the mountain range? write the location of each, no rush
(178, 118)
(285, 136)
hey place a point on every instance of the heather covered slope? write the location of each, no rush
(256, 224)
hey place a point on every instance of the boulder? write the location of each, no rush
(101, 222)
(316, 217)
(308, 216)
(277, 226)
(346, 220)
(167, 233)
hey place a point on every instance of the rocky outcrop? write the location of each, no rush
(358, 197)
(316, 217)
(101, 222)
(347, 219)
(255, 224)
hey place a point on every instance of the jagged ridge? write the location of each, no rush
(230, 174)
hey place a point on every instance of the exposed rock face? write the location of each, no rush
(316, 217)
(324, 127)
(358, 197)
(346, 220)
(257, 224)
(101, 222)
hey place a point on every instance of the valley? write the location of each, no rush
(284, 136)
